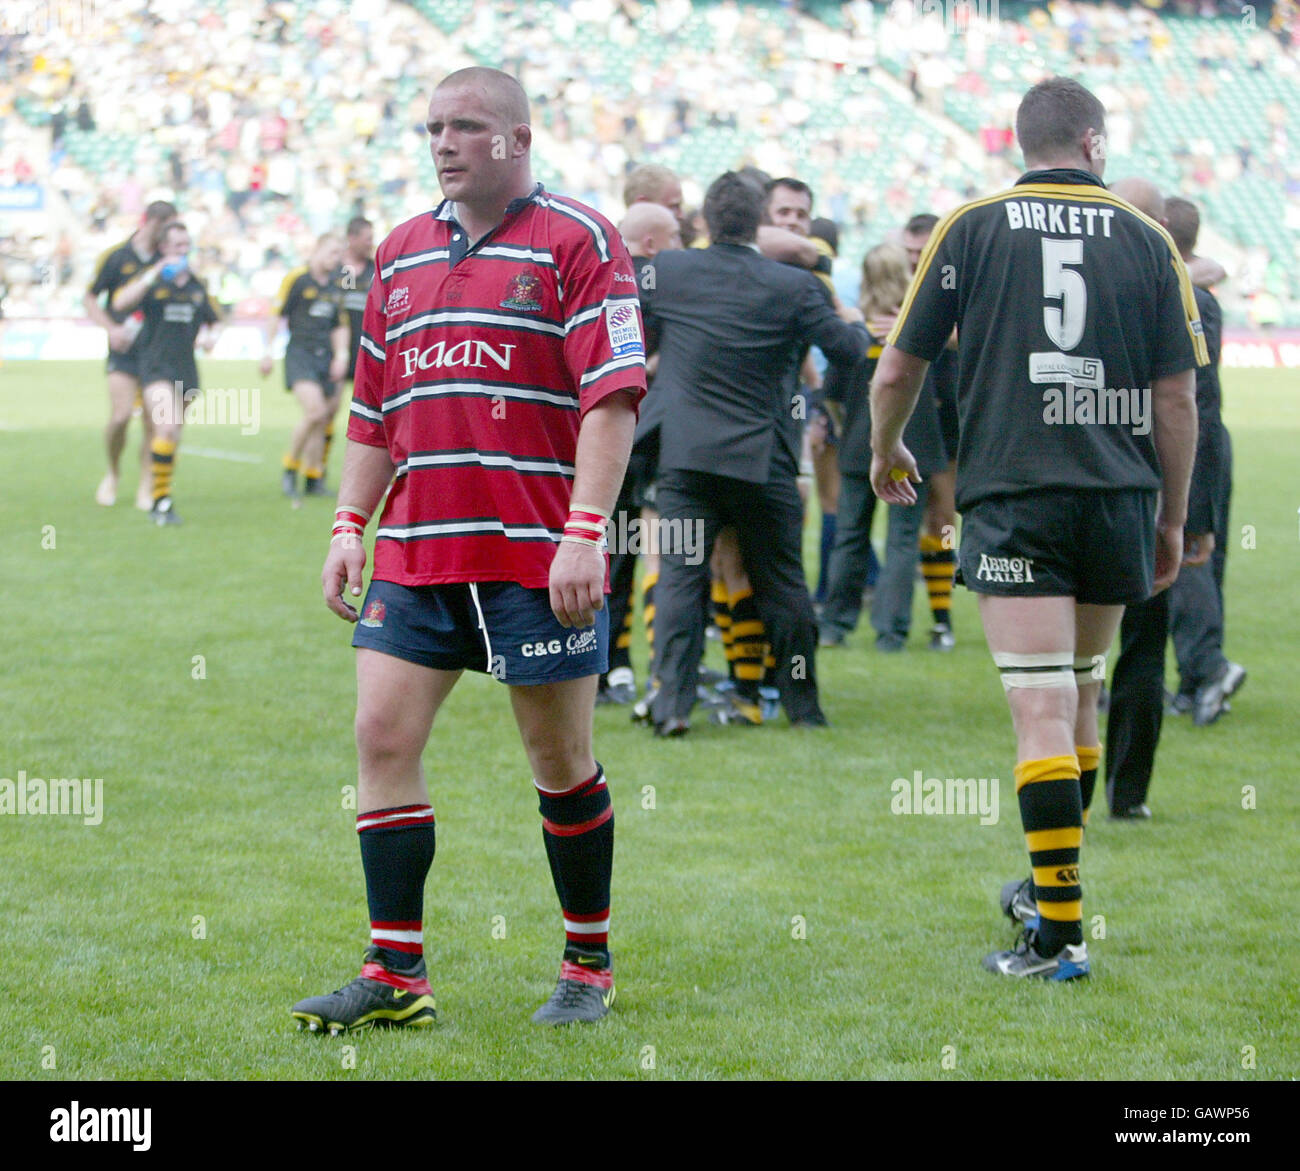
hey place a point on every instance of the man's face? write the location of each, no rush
(154, 231)
(470, 144)
(666, 237)
(329, 255)
(671, 198)
(363, 242)
(790, 209)
(914, 245)
(175, 244)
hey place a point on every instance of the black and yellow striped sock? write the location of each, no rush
(329, 438)
(1089, 759)
(648, 610)
(748, 644)
(1052, 815)
(621, 653)
(163, 453)
(721, 614)
(938, 566)
(291, 464)
(311, 476)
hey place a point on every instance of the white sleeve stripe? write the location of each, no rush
(366, 413)
(373, 350)
(624, 363)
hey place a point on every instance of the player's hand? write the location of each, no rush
(339, 368)
(577, 583)
(343, 568)
(1169, 552)
(850, 313)
(893, 475)
(1197, 549)
(118, 339)
(880, 325)
(264, 366)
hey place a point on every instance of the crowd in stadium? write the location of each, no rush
(269, 123)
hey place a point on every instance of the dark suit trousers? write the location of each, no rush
(1137, 708)
(852, 556)
(1196, 597)
(768, 519)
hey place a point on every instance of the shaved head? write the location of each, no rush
(648, 228)
(1142, 194)
(501, 92)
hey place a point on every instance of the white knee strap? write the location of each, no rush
(1052, 669)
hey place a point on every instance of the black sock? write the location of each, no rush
(397, 847)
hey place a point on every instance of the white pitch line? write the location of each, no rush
(234, 457)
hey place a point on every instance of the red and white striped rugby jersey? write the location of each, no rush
(475, 370)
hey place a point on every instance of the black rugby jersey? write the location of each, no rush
(1069, 304)
(173, 316)
(351, 287)
(311, 308)
(114, 268)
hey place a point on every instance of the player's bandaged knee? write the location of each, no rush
(1051, 669)
(1090, 669)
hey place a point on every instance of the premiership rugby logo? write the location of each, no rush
(624, 330)
(374, 615)
(1005, 569)
(523, 293)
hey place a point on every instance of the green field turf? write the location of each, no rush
(224, 798)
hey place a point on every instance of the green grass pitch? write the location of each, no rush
(772, 917)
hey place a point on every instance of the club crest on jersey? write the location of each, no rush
(523, 293)
(374, 615)
(398, 300)
(624, 330)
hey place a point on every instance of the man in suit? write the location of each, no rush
(729, 325)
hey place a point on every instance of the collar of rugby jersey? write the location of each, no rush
(1061, 175)
(458, 248)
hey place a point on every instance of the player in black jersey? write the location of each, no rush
(112, 270)
(177, 312)
(315, 361)
(1078, 342)
(352, 281)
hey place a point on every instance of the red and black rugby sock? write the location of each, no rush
(397, 847)
(578, 831)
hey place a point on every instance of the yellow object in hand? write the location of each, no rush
(897, 474)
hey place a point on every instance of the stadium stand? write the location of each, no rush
(270, 122)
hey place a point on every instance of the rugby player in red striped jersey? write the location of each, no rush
(500, 368)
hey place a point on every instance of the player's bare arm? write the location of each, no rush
(269, 330)
(129, 296)
(786, 246)
(1205, 271)
(577, 581)
(1175, 438)
(339, 341)
(894, 392)
(366, 473)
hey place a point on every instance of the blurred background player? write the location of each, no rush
(178, 313)
(315, 360)
(112, 270)
(352, 282)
